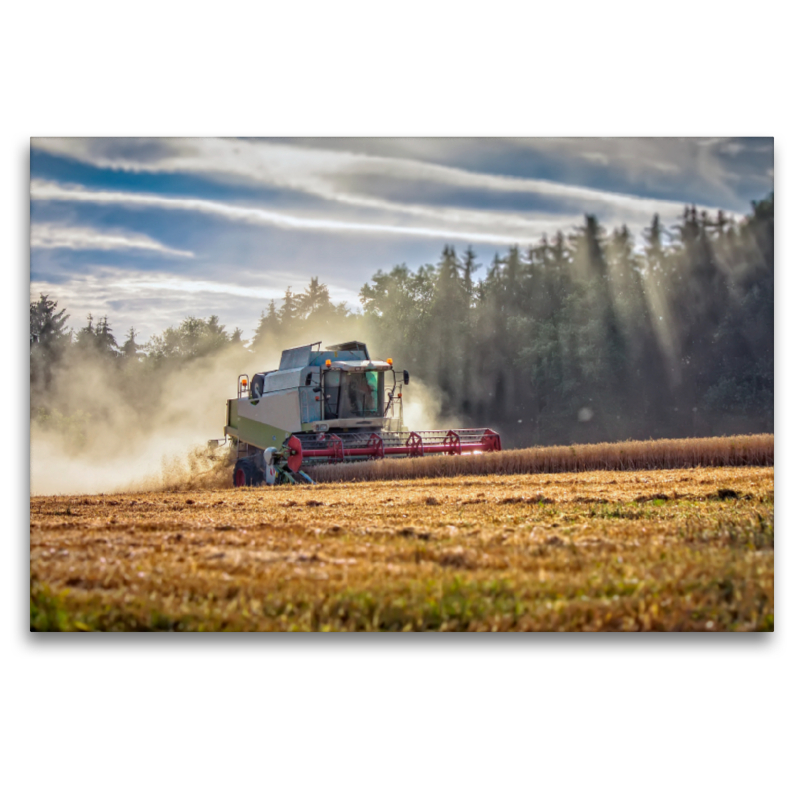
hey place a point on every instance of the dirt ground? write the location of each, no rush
(689, 549)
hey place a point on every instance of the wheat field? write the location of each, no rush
(656, 550)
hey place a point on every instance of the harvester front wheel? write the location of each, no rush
(243, 474)
(246, 473)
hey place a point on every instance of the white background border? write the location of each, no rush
(544, 715)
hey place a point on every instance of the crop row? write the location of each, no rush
(727, 451)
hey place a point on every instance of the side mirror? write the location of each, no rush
(405, 377)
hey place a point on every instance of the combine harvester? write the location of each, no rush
(327, 406)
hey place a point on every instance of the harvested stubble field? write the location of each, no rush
(680, 549)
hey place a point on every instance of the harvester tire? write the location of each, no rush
(243, 474)
(246, 473)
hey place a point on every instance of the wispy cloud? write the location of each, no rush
(49, 235)
(330, 174)
(511, 228)
(133, 283)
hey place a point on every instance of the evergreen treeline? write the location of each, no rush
(587, 336)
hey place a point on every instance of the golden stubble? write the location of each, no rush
(658, 550)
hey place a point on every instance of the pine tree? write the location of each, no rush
(105, 343)
(130, 349)
(267, 331)
(48, 326)
(290, 309)
(316, 299)
(85, 338)
(469, 266)
(49, 342)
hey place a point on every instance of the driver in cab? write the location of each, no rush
(360, 394)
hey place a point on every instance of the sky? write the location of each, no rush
(149, 231)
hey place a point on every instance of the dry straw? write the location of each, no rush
(724, 451)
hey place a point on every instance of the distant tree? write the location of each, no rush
(290, 309)
(85, 338)
(105, 342)
(469, 266)
(654, 246)
(316, 299)
(97, 340)
(49, 341)
(589, 257)
(193, 338)
(448, 324)
(48, 326)
(130, 349)
(397, 311)
(267, 330)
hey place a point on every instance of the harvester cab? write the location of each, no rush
(328, 405)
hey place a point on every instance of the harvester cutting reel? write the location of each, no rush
(275, 466)
(272, 467)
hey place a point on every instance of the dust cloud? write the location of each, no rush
(143, 428)
(422, 408)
